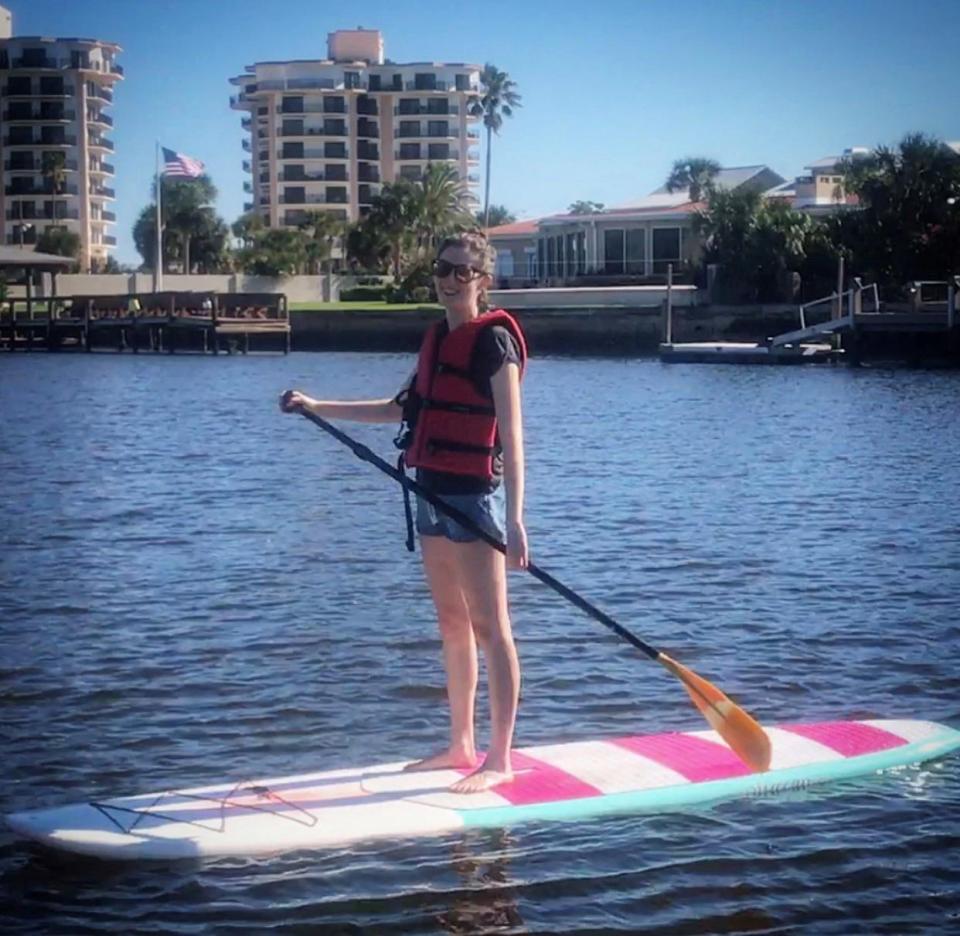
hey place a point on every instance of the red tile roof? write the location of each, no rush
(515, 228)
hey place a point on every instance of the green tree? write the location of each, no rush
(755, 241)
(274, 252)
(906, 226)
(193, 234)
(53, 168)
(395, 215)
(498, 99)
(694, 173)
(496, 215)
(60, 241)
(585, 207)
(442, 205)
(323, 231)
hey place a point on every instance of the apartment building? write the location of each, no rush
(54, 95)
(325, 135)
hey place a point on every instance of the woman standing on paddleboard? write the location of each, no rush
(463, 433)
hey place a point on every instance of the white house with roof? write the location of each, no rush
(627, 243)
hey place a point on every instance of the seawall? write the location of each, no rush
(569, 331)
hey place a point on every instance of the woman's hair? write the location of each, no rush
(477, 244)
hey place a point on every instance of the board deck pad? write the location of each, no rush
(576, 780)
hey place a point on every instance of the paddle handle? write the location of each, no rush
(364, 453)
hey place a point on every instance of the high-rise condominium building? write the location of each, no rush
(325, 134)
(54, 94)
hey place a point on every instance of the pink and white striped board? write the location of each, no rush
(577, 780)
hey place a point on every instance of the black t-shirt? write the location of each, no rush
(495, 347)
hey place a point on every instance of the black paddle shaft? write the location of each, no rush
(365, 454)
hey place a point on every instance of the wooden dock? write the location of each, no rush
(857, 324)
(158, 322)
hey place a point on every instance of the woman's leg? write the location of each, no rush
(459, 652)
(482, 577)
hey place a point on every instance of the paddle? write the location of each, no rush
(744, 735)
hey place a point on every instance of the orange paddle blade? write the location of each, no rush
(744, 735)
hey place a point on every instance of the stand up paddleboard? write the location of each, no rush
(643, 773)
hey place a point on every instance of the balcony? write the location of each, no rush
(248, 187)
(408, 133)
(111, 241)
(326, 176)
(38, 62)
(245, 143)
(45, 190)
(48, 114)
(436, 85)
(101, 118)
(102, 94)
(116, 69)
(248, 206)
(33, 141)
(104, 167)
(245, 165)
(108, 216)
(35, 165)
(99, 191)
(101, 143)
(367, 130)
(309, 198)
(21, 238)
(246, 123)
(430, 109)
(368, 173)
(367, 108)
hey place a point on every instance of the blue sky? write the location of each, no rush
(613, 91)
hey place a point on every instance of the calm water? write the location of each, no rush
(195, 587)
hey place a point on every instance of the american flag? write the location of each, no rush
(178, 166)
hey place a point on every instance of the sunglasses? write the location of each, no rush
(462, 272)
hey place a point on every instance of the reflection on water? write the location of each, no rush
(194, 588)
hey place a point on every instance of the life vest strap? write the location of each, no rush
(449, 445)
(467, 408)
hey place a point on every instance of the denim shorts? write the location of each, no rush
(488, 511)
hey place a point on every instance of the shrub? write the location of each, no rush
(364, 294)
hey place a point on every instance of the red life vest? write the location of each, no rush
(456, 427)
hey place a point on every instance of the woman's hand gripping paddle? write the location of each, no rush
(741, 732)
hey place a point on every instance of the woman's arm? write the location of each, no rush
(369, 411)
(505, 385)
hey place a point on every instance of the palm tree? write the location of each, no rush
(442, 205)
(497, 100)
(497, 215)
(322, 231)
(53, 166)
(694, 173)
(187, 211)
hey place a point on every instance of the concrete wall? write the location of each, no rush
(296, 288)
(582, 297)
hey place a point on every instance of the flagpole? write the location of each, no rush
(158, 263)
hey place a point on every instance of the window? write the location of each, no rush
(373, 82)
(666, 249)
(291, 105)
(425, 82)
(409, 150)
(504, 264)
(438, 151)
(294, 195)
(334, 105)
(335, 150)
(337, 194)
(409, 128)
(437, 128)
(572, 256)
(463, 82)
(613, 252)
(292, 151)
(292, 128)
(351, 79)
(20, 85)
(398, 82)
(636, 259)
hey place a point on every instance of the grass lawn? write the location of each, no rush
(369, 306)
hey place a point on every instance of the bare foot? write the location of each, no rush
(446, 760)
(482, 780)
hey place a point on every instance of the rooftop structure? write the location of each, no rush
(54, 95)
(325, 134)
